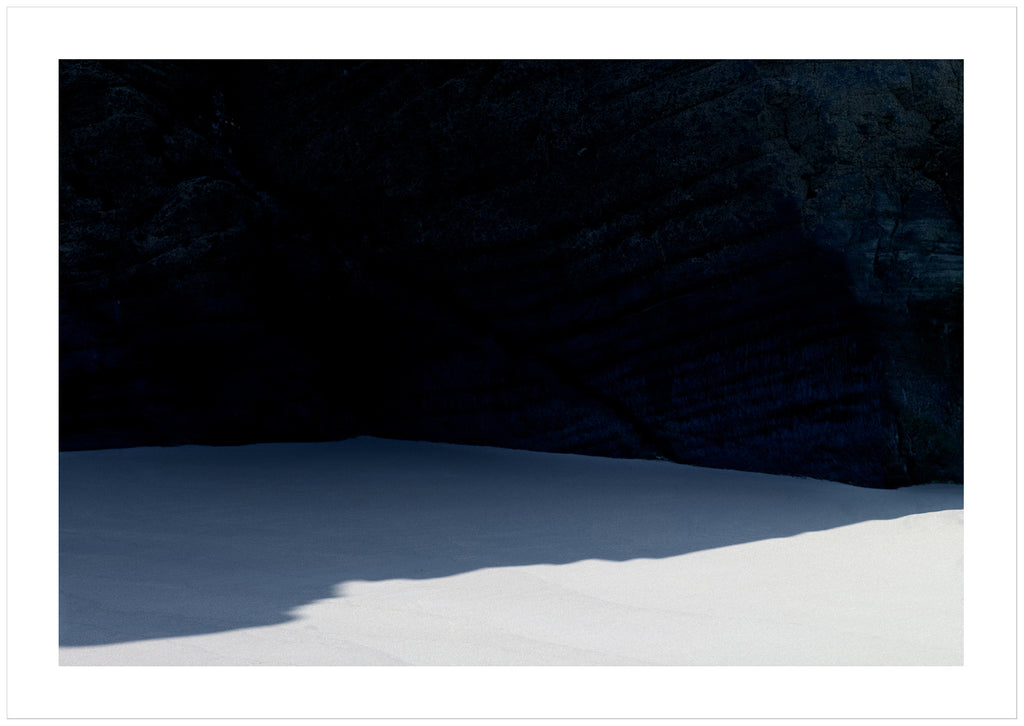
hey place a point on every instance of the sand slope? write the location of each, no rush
(370, 551)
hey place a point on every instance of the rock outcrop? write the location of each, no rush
(752, 265)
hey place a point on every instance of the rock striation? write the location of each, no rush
(740, 264)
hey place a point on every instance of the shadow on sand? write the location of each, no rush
(167, 542)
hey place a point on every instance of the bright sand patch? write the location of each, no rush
(370, 551)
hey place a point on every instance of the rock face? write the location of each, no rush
(751, 265)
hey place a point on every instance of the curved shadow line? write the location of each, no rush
(170, 542)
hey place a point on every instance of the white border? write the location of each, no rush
(37, 37)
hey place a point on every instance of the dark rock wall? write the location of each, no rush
(753, 265)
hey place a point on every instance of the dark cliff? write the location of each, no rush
(752, 265)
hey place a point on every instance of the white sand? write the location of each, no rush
(371, 551)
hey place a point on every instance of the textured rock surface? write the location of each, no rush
(753, 265)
